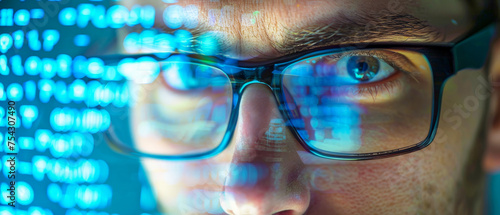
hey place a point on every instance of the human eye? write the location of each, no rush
(362, 76)
(362, 69)
(178, 75)
(186, 106)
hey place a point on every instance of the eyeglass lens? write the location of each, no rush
(361, 101)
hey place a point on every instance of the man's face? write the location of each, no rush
(247, 178)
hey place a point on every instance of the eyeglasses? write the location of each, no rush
(346, 103)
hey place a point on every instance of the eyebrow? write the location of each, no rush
(367, 29)
(339, 31)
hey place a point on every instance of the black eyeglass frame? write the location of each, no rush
(445, 61)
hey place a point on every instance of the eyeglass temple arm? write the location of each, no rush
(470, 53)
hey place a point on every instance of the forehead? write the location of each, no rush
(254, 28)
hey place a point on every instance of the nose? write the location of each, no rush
(264, 173)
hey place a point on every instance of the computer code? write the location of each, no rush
(54, 99)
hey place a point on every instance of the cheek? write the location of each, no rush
(187, 187)
(363, 184)
(463, 106)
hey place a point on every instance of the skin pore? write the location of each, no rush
(290, 180)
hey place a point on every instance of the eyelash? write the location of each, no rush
(396, 60)
(386, 85)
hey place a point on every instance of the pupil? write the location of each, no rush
(362, 68)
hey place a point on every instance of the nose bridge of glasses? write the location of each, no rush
(246, 76)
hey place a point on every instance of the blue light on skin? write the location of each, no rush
(81, 40)
(191, 18)
(213, 14)
(134, 16)
(50, 39)
(148, 16)
(37, 13)
(147, 39)
(99, 16)
(146, 70)
(61, 92)
(6, 17)
(163, 43)
(117, 16)
(67, 16)
(29, 114)
(27, 143)
(208, 43)
(4, 69)
(30, 87)
(18, 38)
(33, 65)
(49, 68)
(173, 16)
(84, 15)
(183, 39)
(95, 68)
(64, 65)
(54, 192)
(16, 65)
(39, 166)
(22, 17)
(126, 67)
(5, 42)
(33, 41)
(131, 43)
(15, 92)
